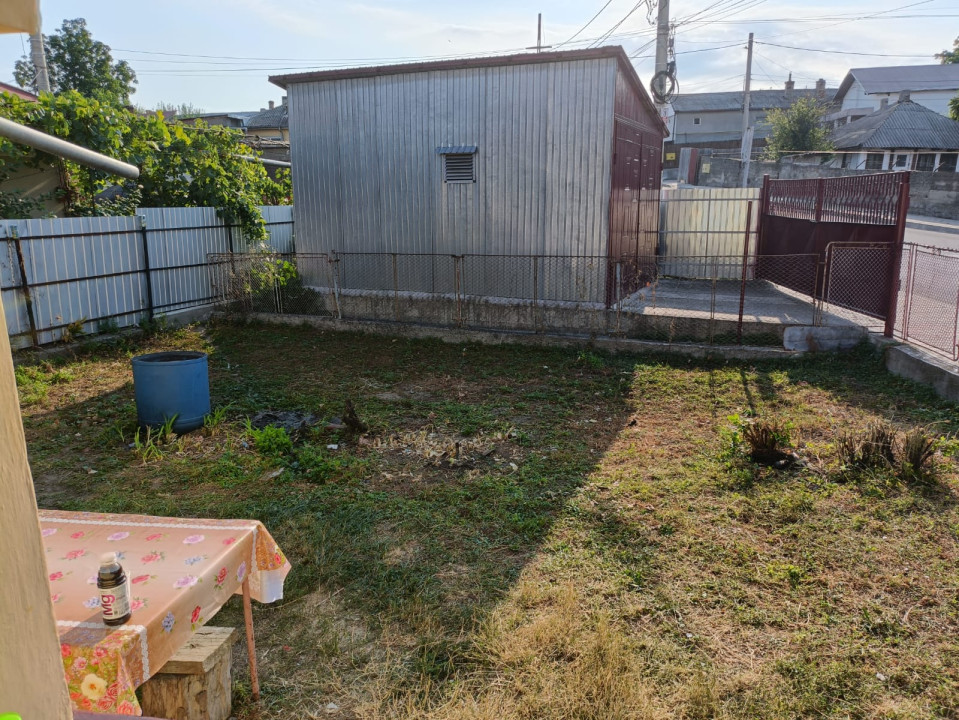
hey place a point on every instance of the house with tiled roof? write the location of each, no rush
(902, 136)
(18, 91)
(271, 123)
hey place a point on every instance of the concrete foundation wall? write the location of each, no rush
(933, 194)
(549, 317)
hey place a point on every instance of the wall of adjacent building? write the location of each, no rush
(368, 178)
(937, 100)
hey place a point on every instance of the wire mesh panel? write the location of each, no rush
(857, 283)
(932, 300)
(784, 289)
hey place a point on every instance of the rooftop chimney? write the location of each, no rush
(271, 104)
(904, 96)
(790, 83)
(821, 89)
(283, 100)
(884, 103)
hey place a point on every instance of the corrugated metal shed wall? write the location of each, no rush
(367, 176)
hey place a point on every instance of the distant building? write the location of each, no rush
(715, 119)
(236, 120)
(271, 123)
(902, 136)
(866, 90)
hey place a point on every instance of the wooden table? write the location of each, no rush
(181, 572)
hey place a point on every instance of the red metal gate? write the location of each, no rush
(807, 216)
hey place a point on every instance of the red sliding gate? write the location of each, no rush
(862, 216)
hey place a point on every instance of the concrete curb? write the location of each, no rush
(914, 364)
(491, 337)
(932, 227)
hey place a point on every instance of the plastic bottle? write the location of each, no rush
(114, 590)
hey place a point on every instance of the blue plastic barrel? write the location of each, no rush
(168, 384)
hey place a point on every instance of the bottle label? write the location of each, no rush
(115, 601)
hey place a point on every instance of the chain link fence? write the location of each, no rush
(715, 299)
(928, 307)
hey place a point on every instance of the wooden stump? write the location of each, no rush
(195, 684)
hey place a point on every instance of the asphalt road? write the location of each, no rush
(932, 237)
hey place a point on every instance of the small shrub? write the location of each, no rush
(271, 440)
(766, 442)
(72, 331)
(917, 456)
(873, 448)
(154, 326)
(109, 326)
(147, 444)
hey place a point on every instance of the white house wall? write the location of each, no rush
(937, 100)
(367, 177)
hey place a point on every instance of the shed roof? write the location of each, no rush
(902, 77)
(903, 125)
(727, 101)
(608, 51)
(18, 91)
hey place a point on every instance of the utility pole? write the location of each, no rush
(539, 47)
(747, 146)
(39, 58)
(662, 51)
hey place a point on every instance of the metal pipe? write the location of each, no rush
(61, 148)
(265, 161)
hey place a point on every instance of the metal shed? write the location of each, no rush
(538, 154)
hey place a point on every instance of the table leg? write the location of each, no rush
(250, 645)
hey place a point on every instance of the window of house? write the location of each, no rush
(459, 163)
(926, 162)
(947, 162)
(874, 161)
(902, 162)
(697, 121)
(845, 160)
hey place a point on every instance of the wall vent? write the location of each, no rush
(459, 163)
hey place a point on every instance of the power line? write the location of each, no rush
(840, 52)
(608, 3)
(625, 18)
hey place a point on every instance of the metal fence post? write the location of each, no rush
(742, 287)
(25, 288)
(457, 280)
(895, 264)
(536, 325)
(907, 300)
(619, 292)
(396, 291)
(147, 270)
(335, 262)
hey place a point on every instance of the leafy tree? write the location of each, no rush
(181, 110)
(797, 129)
(949, 57)
(75, 61)
(180, 166)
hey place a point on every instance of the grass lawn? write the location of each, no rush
(534, 533)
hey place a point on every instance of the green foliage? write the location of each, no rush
(271, 440)
(181, 110)
(34, 382)
(949, 57)
(180, 166)
(214, 419)
(75, 61)
(954, 108)
(797, 129)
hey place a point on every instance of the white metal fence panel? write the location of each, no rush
(705, 223)
(83, 273)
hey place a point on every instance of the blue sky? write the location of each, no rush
(250, 39)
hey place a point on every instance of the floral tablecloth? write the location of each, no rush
(181, 572)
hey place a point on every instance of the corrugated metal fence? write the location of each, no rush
(94, 273)
(698, 224)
